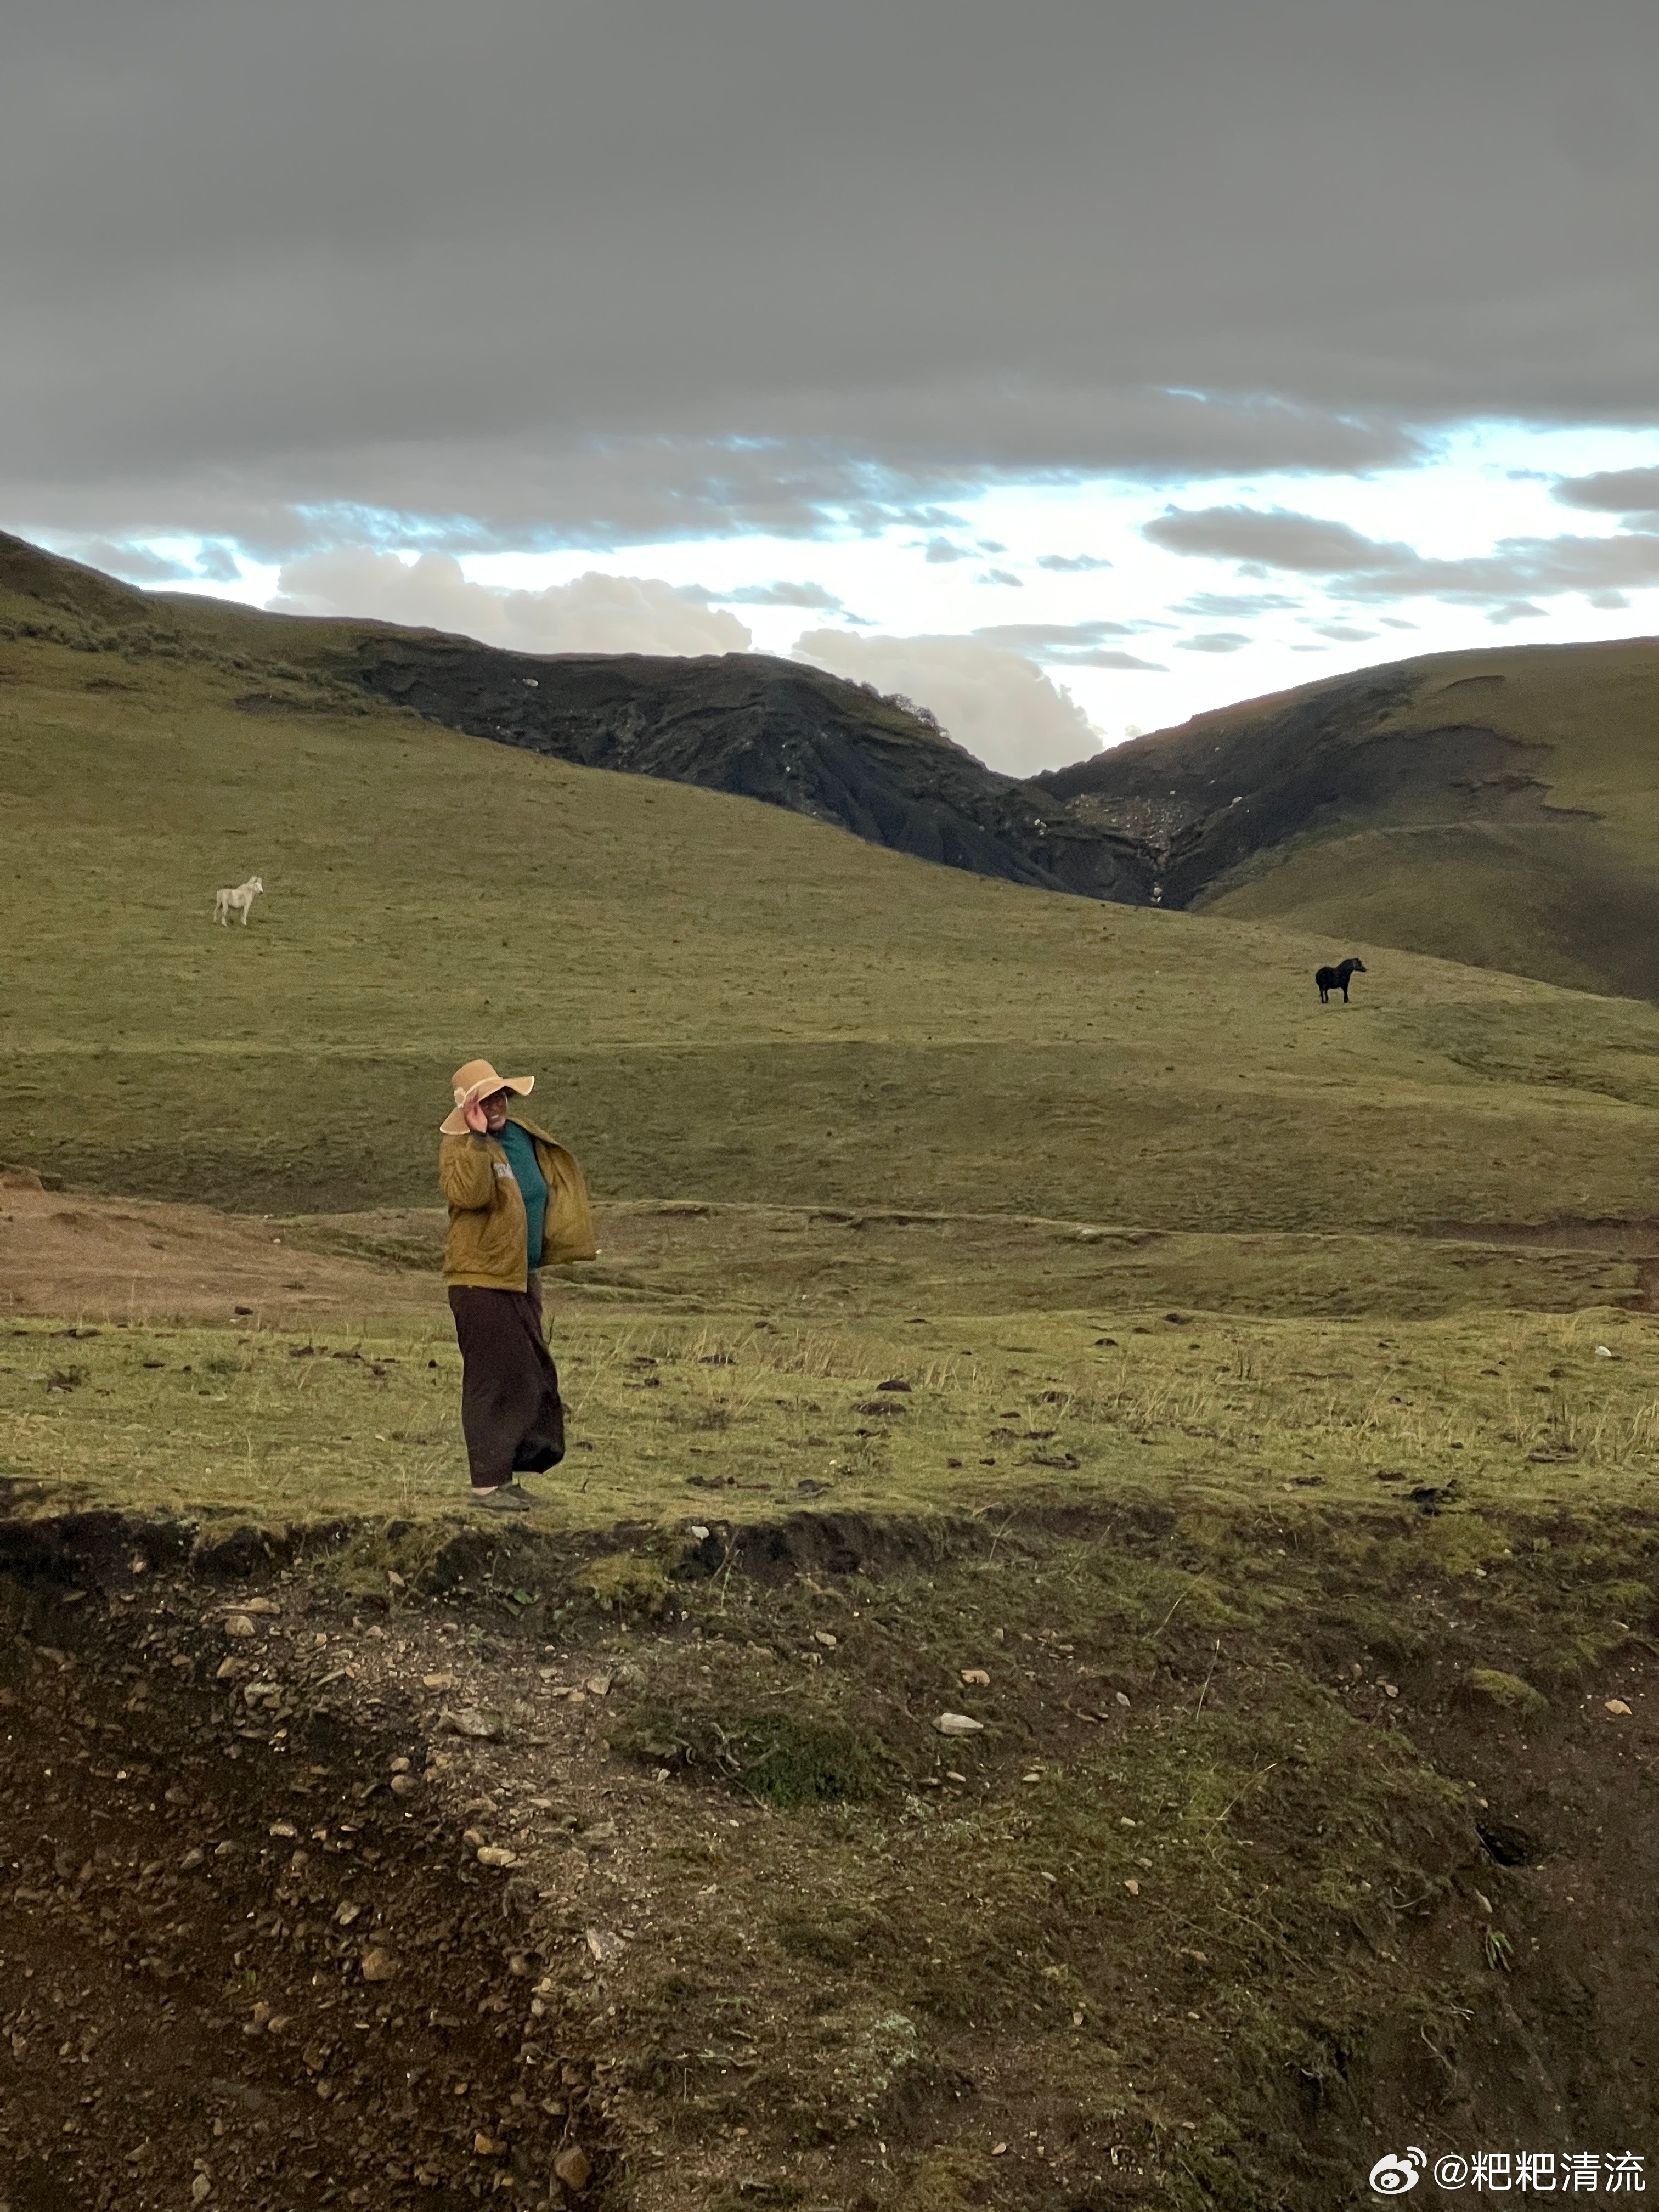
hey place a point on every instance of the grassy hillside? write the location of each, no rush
(721, 1000)
(1499, 806)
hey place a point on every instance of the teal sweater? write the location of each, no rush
(521, 1150)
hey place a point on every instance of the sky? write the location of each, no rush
(1069, 368)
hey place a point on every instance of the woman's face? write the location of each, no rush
(494, 1109)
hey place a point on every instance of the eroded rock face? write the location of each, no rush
(763, 729)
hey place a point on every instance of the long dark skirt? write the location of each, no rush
(511, 1413)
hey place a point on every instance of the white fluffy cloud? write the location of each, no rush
(597, 613)
(999, 704)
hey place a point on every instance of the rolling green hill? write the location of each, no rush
(722, 999)
(1500, 807)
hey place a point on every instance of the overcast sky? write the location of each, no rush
(1072, 360)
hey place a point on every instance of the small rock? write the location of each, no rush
(1121, 1700)
(400, 1765)
(485, 1727)
(598, 1686)
(190, 1861)
(1133, 1887)
(395, 1581)
(347, 1913)
(1604, 1352)
(405, 1785)
(1124, 1821)
(253, 1605)
(284, 1828)
(1034, 1775)
(202, 2188)
(698, 1530)
(572, 2168)
(228, 1670)
(437, 1681)
(238, 1625)
(959, 1724)
(1388, 1689)
(497, 1855)
(379, 1966)
(977, 1675)
(604, 1945)
(1617, 1705)
(823, 1636)
(474, 1839)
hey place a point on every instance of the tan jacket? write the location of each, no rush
(488, 1238)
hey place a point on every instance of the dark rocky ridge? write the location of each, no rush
(763, 729)
(1227, 788)
(1172, 818)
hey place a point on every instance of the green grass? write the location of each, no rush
(1281, 1531)
(721, 1001)
(679, 1418)
(1571, 896)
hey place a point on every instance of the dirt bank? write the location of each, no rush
(387, 1866)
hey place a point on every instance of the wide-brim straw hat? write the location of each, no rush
(478, 1080)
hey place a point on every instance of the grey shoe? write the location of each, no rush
(509, 1498)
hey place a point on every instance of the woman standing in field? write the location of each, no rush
(516, 1202)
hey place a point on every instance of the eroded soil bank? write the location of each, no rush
(396, 1865)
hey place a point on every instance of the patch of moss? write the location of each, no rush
(625, 1581)
(1508, 1691)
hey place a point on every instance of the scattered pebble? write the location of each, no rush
(1617, 1705)
(604, 1945)
(977, 1675)
(572, 2168)
(1133, 1887)
(823, 1636)
(598, 1686)
(497, 1855)
(486, 1728)
(959, 1724)
(379, 1965)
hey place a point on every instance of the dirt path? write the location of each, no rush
(105, 1259)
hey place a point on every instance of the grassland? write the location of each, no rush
(1571, 895)
(1301, 1548)
(721, 1000)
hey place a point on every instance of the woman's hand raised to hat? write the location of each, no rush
(476, 1120)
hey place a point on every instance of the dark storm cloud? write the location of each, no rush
(1357, 568)
(1612, 491)
(530, 271)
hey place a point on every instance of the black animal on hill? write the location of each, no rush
(1336, 979)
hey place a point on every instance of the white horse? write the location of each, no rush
(239, 901)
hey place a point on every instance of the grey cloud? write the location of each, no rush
(1100, 658)
(1608, 599)
(134, 564)
(1235, 605)
(1272, 539)
(991, 545)
(533, 275)
(1344, 633)
(941, 551)
(1503, 581)
(1215, 640)
(1612, 491)
(1070, 564)
(780, 595)
(1019, 635)
(1004, 577)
